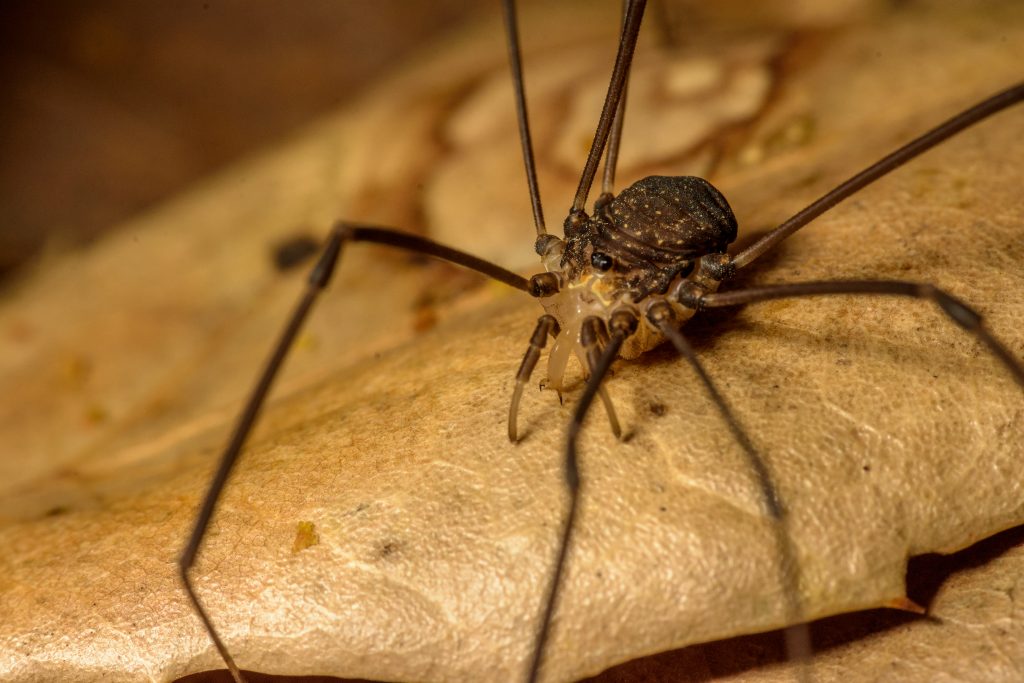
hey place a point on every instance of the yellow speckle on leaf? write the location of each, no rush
(305, 537)
(307, 342)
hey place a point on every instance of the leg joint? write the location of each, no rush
(720, 267)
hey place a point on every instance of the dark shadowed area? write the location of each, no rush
(111, 106)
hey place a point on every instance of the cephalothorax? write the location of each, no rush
(649, 233)
(619, 283)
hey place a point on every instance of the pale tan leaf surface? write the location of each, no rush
(972, 632)
(889, 431)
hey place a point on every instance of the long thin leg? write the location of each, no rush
(591, 333)
(611, 157)
(546, 325)
(798, 642)
(666, 33)
(515, 61)
(965, 119)
(354, 232)
(627, 44)
(957, 311)
(318, 279)
(621, 329)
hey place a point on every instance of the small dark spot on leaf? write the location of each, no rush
(294, 251)
(388, 548)
(658, 409)
(95, 414)
(77, 370)
(663, 508)
(866, 468)
(424, 319)
(57, 511)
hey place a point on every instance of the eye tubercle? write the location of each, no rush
(601, 261)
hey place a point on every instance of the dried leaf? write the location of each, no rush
(890, 432)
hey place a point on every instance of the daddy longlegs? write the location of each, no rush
(621, 281)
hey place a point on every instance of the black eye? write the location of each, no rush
(601, 261)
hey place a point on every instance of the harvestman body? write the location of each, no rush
(620, 283)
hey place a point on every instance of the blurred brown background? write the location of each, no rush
(111, 105)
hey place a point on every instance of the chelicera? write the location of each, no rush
(622, 281)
